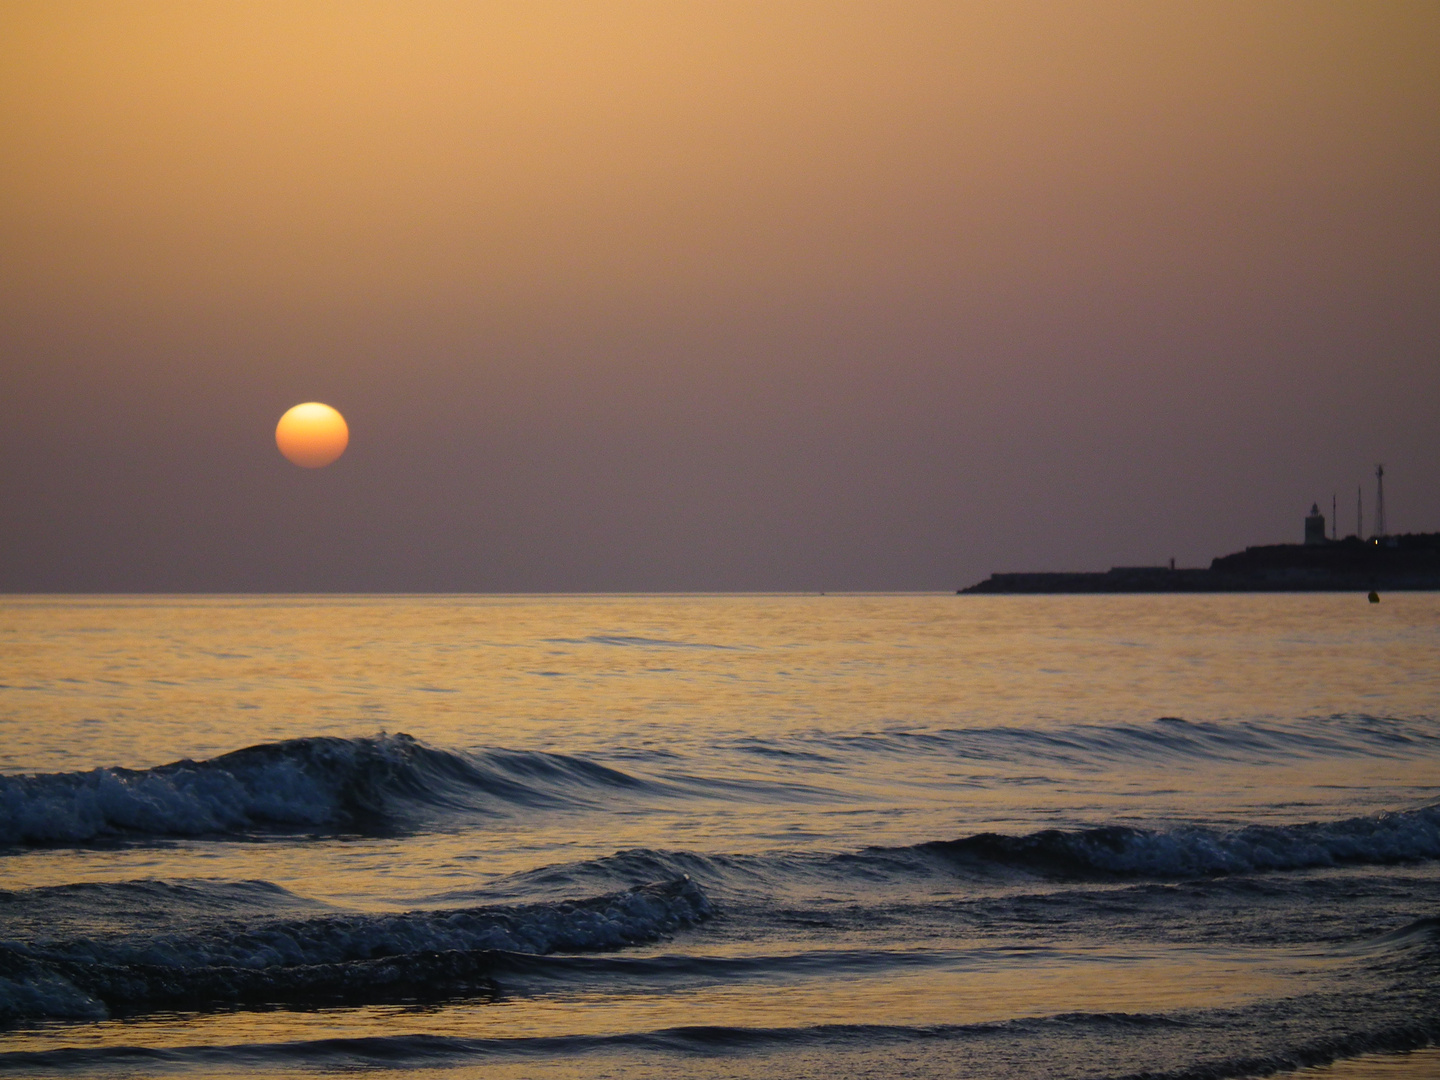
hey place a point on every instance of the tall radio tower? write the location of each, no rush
(1379, 500)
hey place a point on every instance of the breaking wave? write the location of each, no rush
(322, 782)
(1124, 851)
(1097, 854)
(331, 958)
(380, 782)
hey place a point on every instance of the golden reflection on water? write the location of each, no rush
(668, 687)
(757, 724)
(139, 680)
(959, 993)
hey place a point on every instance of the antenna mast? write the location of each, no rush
(1334, 519)
(1359, 513)
(1379, 500)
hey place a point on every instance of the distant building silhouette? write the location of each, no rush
(1320, 564)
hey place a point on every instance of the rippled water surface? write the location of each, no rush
(1185, 836)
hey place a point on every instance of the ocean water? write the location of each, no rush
(720, 836)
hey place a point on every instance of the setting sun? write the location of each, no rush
(312, 435)
(871, 514)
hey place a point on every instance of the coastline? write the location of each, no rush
(1407, 563)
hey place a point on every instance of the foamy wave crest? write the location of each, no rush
(1122, 851)
(314, 782)
(330, 958)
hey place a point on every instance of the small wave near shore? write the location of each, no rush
(329, 958)
(362, 784)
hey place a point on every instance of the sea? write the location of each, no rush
(704, 836)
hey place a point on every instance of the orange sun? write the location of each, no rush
(312, 435)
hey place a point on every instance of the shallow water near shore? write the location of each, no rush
(738, 836)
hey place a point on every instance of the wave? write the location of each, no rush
(385, 781)
(331, 958)
(1023, 1048)
(1195, 851)
(363, 784)
(1104, 853)
(1424, 931)
(98, 907)
(690, 1039)
(1166, 739)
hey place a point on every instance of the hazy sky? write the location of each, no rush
(708, 295)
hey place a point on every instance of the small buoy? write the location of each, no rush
(1374, 597)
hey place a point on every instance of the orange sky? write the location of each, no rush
(708, 295)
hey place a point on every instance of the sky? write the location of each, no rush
(708, 296)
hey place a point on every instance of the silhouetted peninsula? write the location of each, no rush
(1392, 563)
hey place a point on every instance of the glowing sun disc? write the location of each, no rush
(312, 435)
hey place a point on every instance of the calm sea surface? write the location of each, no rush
(719, 836)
